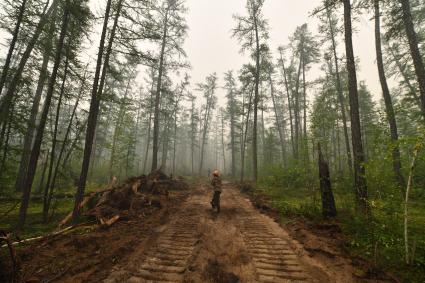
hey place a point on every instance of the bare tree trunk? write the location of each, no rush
(359, 170)
(155, 142)
(244, 138)
(94, 104)
(340, 93)
(32, 166)
(256, 98)
(116, 132)
(288, 94)
(222, 143)
(388, 100)
(328, 200)
(54, 139)
(31, 125)
(65, 141)
(278, 125)
(6, 67)
(414, 50)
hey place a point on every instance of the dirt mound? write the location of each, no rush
(89, 249)
(135, 195)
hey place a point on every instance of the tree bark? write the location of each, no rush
(94, 105)
(328, 200)
(341, 99)
(388, 100)
(155, 143)
(288, 94)
(256, 98)
(31, 125)
(278, 125)
(359, 169)
(414, 50)
(32, 166)
(54, 139)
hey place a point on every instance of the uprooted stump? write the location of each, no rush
(135, 196)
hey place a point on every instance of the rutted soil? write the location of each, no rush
(185, 241)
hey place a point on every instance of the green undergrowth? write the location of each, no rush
(378, 239)
(34, 224)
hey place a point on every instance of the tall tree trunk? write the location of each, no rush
(155, 142)
(222, 143)
(244, 138)
(95, 103)
(116, 131)
(328, 200)
(288, 95)
(32, 166)
(278, 125)
(148, 138)
(65, 141)
(414, 50)
(341, 99)
(256, 98)
(359, 169)
(54, 139)
(297, 111)
(232, 133)
(388, 100)
(6, 67)
(305, 142)
(31, 124)
(205, 131)
(6, 100)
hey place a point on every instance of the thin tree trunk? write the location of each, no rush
(94, 105)
(388, 100)
(65, 140)
(155, 144)
(340, 93)
(288, 94)
(278, 125)
(205, 131)
(31, 125)
(414, 50)
(54, 139)
(232, 133)
(222, 143)
(244, 138)
(6, 67)
(256, 98)
(406, 203)
(32, 166)
(359, 169)
(116, 132)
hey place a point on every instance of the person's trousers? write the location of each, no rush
(216, 200)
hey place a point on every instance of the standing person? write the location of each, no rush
(216, 184)
(209, 173)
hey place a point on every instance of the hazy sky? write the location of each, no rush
(210, 47)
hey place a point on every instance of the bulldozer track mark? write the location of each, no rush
(272, 257)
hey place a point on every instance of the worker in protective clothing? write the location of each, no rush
(216, 184)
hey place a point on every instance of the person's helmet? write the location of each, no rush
(216, 173)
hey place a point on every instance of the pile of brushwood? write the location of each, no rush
(135, 199)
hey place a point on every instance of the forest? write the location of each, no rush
(98, 97)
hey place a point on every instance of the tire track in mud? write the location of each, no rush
(176, 246)
(272, 256)
(241, 242)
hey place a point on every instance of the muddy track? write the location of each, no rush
(197, 245)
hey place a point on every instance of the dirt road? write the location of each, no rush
(238, 245)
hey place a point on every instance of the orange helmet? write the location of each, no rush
(216, 173)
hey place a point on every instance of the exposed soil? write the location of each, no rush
(185, 241)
